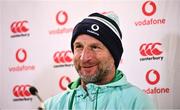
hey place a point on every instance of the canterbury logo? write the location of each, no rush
(150, 49)
(63, 57)
(19, 26)
(21, 91)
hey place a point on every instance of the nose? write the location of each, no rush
(86, 55)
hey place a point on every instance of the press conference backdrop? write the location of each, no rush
(35, 47)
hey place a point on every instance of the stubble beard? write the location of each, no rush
(96, 78)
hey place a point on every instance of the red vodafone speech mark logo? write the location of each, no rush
(63, 56)
(21, 55)
(146, 5)
(21, 91)
(61, 17)
(155, 73)
(19, 26)
(150, 49)
(63, 79)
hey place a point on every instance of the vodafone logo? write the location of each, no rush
(19, 26)
(61, 17)
(149, 8)
(95, 27)
(63, 56)
(152, 77)
(21, 55)
(21, 91)
(150, 49)
(63, 82)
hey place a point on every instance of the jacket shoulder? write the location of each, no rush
(56, 102)
(138, 97)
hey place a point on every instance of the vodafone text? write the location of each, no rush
(157, 90)
(150, 22)
(22, 68)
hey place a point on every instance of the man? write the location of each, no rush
(97, 48)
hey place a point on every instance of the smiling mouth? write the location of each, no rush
(88, 66)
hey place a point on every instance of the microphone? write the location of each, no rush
(34, 92)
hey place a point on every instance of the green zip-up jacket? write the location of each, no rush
(116, 95)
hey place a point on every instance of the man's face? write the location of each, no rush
(92, 60)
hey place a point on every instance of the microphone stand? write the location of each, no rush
(41, 107)
(34, 92)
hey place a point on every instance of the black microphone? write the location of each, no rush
(34, 92)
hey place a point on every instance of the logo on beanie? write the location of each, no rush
(94, 28)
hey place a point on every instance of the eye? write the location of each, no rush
(78, 47)
(95, 47)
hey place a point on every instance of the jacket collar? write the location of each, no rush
(118, 80)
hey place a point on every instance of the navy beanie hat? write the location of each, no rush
(103, 27)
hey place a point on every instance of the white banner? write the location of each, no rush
(35, 48)
(0, 56)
